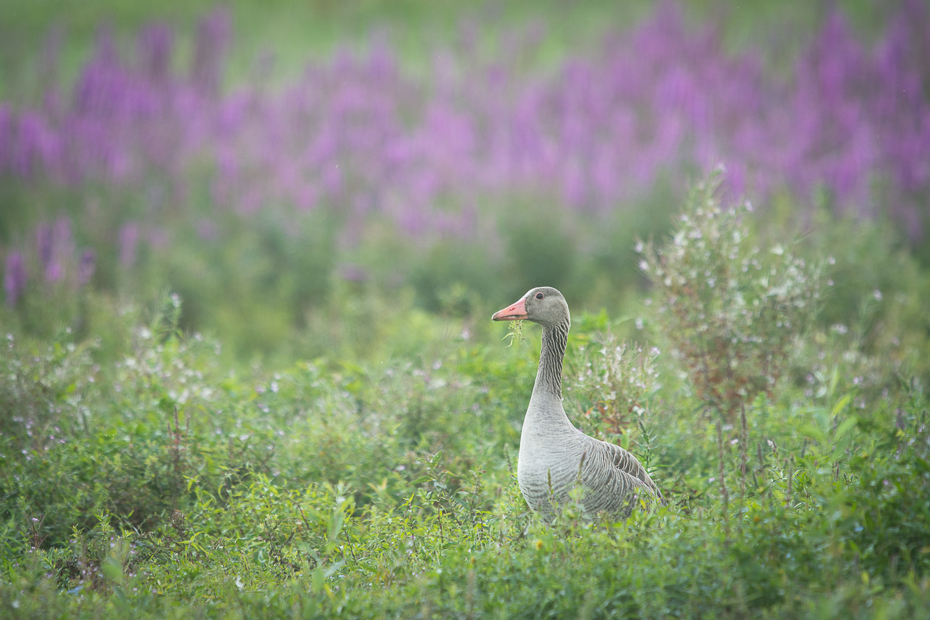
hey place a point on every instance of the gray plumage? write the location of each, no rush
(554, 455)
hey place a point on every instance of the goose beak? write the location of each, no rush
(513, 312)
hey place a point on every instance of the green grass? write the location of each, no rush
(337, 489)
(143, 474)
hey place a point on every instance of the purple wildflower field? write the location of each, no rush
(438, 157)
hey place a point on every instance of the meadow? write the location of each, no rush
(249, 259)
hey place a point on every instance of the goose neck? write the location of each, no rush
(552, 352)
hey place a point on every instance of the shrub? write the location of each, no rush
(731, 311)
(615, 383)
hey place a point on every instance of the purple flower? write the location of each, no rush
(155, 48)
(14, 277)
(360, 137)
(45, 245)
(86, 267)
(213, 38)
(58, 248)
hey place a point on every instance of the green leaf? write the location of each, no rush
(845, 426)
(809, 430)
(319, 576)
(834, 379)
(823, 420)
(840, 405)
(336, 522)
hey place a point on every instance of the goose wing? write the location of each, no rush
(629, 465)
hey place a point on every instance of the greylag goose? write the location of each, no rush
(554, 455)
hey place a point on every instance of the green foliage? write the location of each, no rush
(731, 311)
(614, 381)
(143, 475)
(873, 328)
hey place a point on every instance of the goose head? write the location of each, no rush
(543, 304)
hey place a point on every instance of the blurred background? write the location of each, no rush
(313, 176)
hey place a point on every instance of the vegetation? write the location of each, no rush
(319, 420)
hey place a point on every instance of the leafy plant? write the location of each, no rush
(731, 312)
(615, 381)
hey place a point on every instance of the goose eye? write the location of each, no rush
(539, 295)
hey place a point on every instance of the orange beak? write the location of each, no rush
(513, 312)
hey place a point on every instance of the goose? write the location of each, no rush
(554, 455)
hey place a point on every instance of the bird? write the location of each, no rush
(555, 456)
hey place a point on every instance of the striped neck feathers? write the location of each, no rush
(549, 375)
